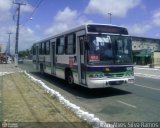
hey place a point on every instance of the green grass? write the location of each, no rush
(24, 101)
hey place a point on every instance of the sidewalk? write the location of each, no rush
(146, 66)
(9, 68)
(146, 71)
(24, 104)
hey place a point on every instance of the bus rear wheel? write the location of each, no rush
(41, 69)
(69, 78)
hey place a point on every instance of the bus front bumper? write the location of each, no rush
(108, 82)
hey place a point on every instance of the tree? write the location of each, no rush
(24, 54)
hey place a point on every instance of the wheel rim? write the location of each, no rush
(70, 79)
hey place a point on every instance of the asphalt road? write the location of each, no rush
(130, 103)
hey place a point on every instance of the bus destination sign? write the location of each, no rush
(107, 29)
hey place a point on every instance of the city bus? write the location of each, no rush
(91, 55)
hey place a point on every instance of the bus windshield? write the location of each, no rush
(109, 49)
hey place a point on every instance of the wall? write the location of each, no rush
(156, 58)
(2, 48)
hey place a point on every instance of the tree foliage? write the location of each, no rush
(24, 54)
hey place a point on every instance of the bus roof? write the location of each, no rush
(76, 29)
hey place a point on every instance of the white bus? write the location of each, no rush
(91, 55)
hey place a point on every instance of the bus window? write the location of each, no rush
(43, 48)
(47, 47)
(34, 50)
(40, 48)
(70, 44)
(60, 45)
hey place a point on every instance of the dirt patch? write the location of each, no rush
(29, 105)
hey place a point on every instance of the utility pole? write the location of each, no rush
(17, 33)
(110, 15)
(9, 34)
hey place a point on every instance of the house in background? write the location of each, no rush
(2, 48)
(143, 48)
(3, 53)
(156, 58)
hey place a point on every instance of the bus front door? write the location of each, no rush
(52, 49)
(81, 59)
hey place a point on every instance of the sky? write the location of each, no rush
(40, 19)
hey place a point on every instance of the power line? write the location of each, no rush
(37, 6)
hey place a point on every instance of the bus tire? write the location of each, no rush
(69, 78)
(41, 69)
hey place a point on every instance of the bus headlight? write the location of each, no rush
(96, 75)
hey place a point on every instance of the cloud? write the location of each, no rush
(118, 8)
(144, 28)
(5, 5)
(157, 35)
(139, 29)
(26, 36)
(156, 17)
(143, 7)
(5, 17)
(4, 36)
(64, 20)
(37, 26)
(26, 8)
(66, 15)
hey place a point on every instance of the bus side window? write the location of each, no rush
(70, 44)
(47, 48)
(43, 48)
(60, 46)
(66, 42)
(74, 43)
(57, 45)
(34, 50)
(40, 48)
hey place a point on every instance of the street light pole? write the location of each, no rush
(110, 15)
(17, 34)
(9, 34)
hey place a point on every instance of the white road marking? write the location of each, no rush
(147, 68)
(130, 105)
(157, 89)
(147, 75)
